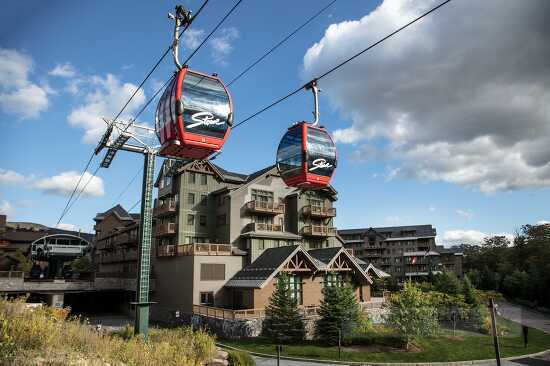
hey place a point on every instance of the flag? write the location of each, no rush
(413, 260)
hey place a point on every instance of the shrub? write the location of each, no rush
(412, 314)
(82, 264)
(48, 333)
(239, 358)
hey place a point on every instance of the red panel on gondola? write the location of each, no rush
(306, 157)
(194, 115)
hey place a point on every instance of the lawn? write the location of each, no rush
(462, 346)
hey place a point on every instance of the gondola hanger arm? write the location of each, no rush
(181, 17)
(312, 85)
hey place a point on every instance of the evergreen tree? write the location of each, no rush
(469, 291)
(283, 322)
(339, 311)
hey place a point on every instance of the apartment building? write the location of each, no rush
(221, 238)
(116, 243)
(402, 251)
(199, 202)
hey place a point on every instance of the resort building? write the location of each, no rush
(221, 239)
(403, 251)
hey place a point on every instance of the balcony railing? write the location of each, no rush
(319, 230)
(167, 208)
(317, 211)
(263, 207)
(166, 229)
(119, 256)
(125, 238)
(194, 249)
(259, 226)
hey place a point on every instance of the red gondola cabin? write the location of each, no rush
(306, 157)
(194, 115)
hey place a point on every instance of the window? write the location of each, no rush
(202, 220)
(333, 280)
(204, 179)
(204, 199)
(167, 180)
(207, 298)
(221, 220)
(192, 178)
(191, 198)
(262, 196)
(191, 220)
(212, 271)
(295, 287)
(261, 244)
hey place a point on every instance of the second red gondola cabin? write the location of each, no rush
(306, 157)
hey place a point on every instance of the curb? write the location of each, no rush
(337, 362)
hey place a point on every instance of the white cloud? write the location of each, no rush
(467, 214)
(64, 183)
(449, 107)
(64, 226)
(7, 208)
(192, 38)
(103, 97)
(12, 177)
(431, 208)
(65, 70)
(222, 45)
(18, 95)
(452, 237)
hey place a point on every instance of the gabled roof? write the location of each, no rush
(377, 272)
(326, 257)
(266, 266)
(118, 211)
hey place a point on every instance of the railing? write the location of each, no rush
(121, 256)
(258, 226)
(245, 314)
(319, 230)
(12, 274)
(369, 254)
(166, 208)
(267, 207)
(319, 211)
(194, 249)
(125, 238)
(166, 229)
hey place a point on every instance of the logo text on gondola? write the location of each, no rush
(319, 164)
(204, 119)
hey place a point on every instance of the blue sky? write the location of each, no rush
(67, 62)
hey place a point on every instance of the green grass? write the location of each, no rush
(462, 347)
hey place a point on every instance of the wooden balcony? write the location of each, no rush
(169, 207)
(125, 239)
(321, 212)
(245, 314)
(194, 249)
(319, 230)
(258, 226)
(267, 208)
(166, 229)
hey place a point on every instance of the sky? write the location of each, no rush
(445, 124)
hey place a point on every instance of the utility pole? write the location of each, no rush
(141, 325)
(143, 141)
(494, 326)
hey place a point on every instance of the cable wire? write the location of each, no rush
(128, 185)
(286, 38)
(75, 188)
(134, 206)
(331, 70)
(68, 204)
(186, 61)
(79, 193)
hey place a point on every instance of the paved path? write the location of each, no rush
(525, 316)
